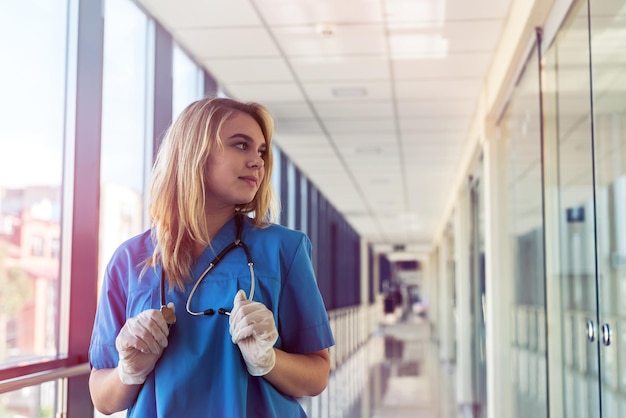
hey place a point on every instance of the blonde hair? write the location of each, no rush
(177, 190)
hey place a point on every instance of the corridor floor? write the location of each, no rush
(395, 375)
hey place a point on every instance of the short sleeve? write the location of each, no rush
(110, 317)
(303, 320)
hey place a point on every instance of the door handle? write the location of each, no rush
(591, 331)
(606, 334)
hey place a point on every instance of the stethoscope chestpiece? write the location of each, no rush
(168, 315)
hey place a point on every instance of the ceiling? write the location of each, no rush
(373, 99)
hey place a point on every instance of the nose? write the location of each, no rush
(256, 162)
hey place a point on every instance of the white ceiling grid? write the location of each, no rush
(376, 114)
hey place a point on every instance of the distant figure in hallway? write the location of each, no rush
(214, 311)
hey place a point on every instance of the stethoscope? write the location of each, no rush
(168, 313)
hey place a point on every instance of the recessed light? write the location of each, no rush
(349, 91)
(325, 29)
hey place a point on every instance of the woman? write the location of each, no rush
(184, 331)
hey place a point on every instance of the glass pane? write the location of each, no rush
(477, 300)
(32, 103)
(123, 159)
(608, 47)
(31, 402)
(521, 129)
(574, 374)
(187, 81)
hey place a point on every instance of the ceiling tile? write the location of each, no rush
(438, 89)
(304, 41)
(436, 107)
(435, 138)
(345, 109)
(415, 39)
(464, 10)
(287, 110)
(346, 68)
(374, 90)
(307, 12)
(273, 52)
(228, 43)
(298, 127)
(342, 126)
(467, 65)
(366, 141)
(266, 92)
(441, 124)
(244, 70)
(200, 13)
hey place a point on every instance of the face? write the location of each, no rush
(234, 175)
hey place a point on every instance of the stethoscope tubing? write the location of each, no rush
(238, 243)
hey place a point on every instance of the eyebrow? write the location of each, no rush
(246, 138)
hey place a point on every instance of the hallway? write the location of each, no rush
(396, 374)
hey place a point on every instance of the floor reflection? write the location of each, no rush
(396, 374)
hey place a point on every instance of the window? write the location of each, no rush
(33, 39)
(124, 98)
(36, 246)
(187, 79)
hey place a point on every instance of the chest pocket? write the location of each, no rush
(144, 294)
(221, 283)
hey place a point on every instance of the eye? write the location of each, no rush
(262, 152)
(241, 145)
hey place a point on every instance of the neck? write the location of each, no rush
(215, 221)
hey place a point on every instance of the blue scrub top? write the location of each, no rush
(201, 372)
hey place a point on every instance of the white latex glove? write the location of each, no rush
(140, 343)
(252, 328)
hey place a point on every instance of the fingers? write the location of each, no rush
(249, 319)
(146, 332)
(240, 296)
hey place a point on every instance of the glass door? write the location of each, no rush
(574, 202)
(520, 129)
(607, 28)
(477, 269)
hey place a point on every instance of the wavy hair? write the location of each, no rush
(177, 189)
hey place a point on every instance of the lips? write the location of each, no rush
(250, 180)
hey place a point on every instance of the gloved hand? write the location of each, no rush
(140, 343)
(252, 328)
